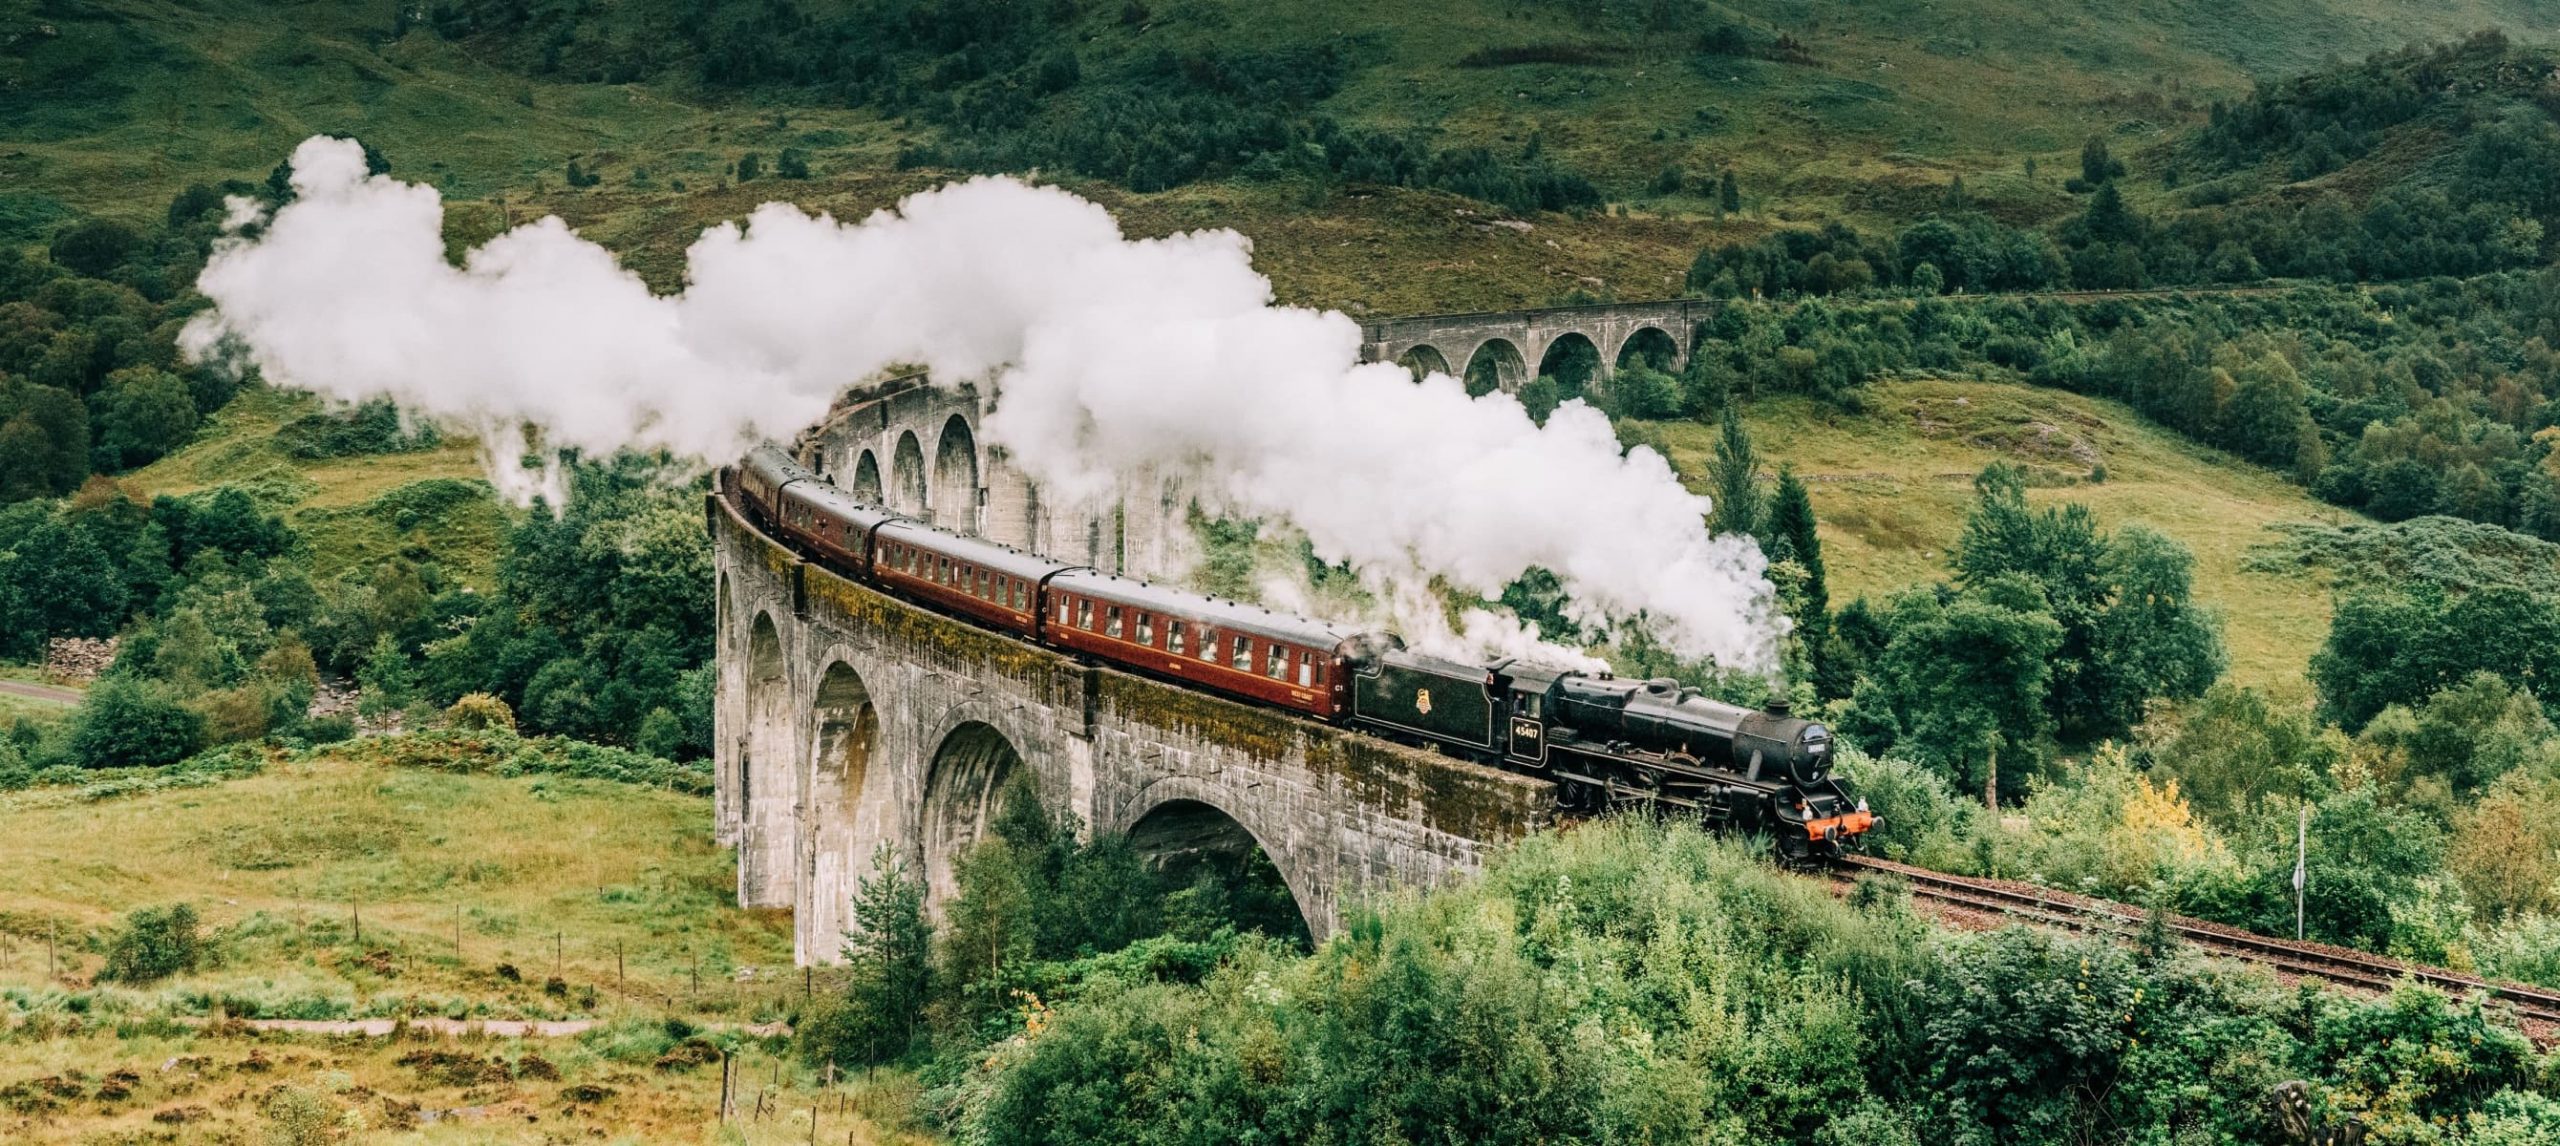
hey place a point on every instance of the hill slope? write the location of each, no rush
(1892, 486)
(1857, 112)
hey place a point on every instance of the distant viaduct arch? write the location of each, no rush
(1504, 349)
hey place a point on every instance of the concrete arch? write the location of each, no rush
(766, 782)
(955, 476)
(1574, 361)
(1179, 835)
(1425, 360)
(866, 479)
(1651, 347)
(846, 740)
(964, 793)
(908, 492)
(1496, 364)
(1309, 886)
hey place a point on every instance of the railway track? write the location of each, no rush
(2314, 960)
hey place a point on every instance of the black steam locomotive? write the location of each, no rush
(1606, 743)
(1611, 743)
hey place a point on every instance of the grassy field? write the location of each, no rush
(1892, 485)
(352, 510)
(616, 891)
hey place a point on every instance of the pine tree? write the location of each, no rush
(1791, 524)
(2096, 165)
(1735, 474)
(892, 945)
(1729, 193)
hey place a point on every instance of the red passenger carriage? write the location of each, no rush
(996, 584)
(1235, 648)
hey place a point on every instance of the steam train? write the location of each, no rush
(1606, 743)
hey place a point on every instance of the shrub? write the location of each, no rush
(481, 712)
(329, 730)
(153, 944)
(128, 723)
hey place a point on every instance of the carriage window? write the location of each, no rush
(1243, 656)
(986, 584)
(1146, 630)
(1021, 599)
(1209, 645)
(1173, 638)
(1111, 627)
(1084, 615)
(1277, 666)
(1062, 610)
(1306, 669)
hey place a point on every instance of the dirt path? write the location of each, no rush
(499, 1028)
(40, 691)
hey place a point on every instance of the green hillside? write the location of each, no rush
(356, 509)
(1892, 486)
(1858, 111)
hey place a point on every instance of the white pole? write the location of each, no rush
(2301, 860)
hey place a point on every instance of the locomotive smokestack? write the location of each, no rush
(1777, 705)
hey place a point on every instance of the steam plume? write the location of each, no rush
(1112, 357)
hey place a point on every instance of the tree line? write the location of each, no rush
(598, 627)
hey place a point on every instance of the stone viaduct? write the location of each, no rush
(845, 719)
(1509, 347)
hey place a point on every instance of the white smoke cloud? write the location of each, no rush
(1111, 357)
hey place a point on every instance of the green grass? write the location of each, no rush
(353, 510)
(621, 885)
(1892, 485)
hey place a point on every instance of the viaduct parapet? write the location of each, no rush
(846, 719)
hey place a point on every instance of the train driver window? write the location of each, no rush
(1527, 705)
(1242, 657)
(1277, 666)
(1111, 627)
(1173, 638)
(1084, 615)
(1147, 630)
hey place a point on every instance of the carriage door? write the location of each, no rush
(1528, 727)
